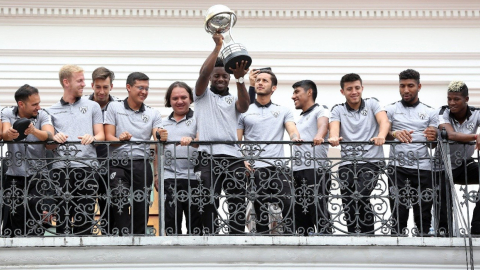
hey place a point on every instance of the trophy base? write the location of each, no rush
(234, 54)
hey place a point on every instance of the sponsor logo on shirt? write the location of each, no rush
(470, 126)
(276, 113)
(60, 112)
(83, 109)
(189, 122)
(122, 113)
(229, 100)
(145, 118)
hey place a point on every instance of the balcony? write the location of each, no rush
(66, 210)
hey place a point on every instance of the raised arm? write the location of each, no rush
(208, 65)
(243, 97)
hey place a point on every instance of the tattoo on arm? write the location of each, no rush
(49, 136)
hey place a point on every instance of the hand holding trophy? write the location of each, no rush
(220, 20)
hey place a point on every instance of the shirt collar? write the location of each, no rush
(260, 105)
(469, 113)
(125, 103)
(15, 112)
(63, 102)
(405, 104)
(215, 91)
(309, 109)
(362, 105)
(110, 98)
(187, 116)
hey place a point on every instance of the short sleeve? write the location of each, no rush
(4, 116)
(375, 106)
(46, 119)
(390, 109)
(433, 119)
(288, 116)
(109, 116)
(97, 114)
(241, 122)
(335, 114)
(443, 117)
(323, 112)
(157, 121)
(195, 97)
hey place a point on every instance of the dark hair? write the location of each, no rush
(219, 62)
(24, 92)
(170, 90)
(410, 74)
(307, 84)
(272, 76)
(103, 73)
(136, 76)
(350, 77)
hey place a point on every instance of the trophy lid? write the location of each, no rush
(218, 19)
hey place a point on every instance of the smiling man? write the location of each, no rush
(27, 162)
(217, 113)
(130, 169)
(267, 121)
(310, 167)
(75, 118)
(357, 120)
(411, 122)
(461, 123)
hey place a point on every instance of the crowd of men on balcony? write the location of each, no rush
(221, 116)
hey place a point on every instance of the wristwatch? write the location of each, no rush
(240, 80)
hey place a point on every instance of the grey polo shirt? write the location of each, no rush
(34, 153)
(75, 120)
(102, 149)
(217, 119)
(266, 123)
(416, 117)
(460, 151)
(358, 125)
(138, 123)
(177, 165)
(307, 127)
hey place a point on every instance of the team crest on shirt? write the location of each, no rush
(188, 122)
(470, 126)
(112, 176)
(83, 109)
(229, 100)
(364, 112)
(422, 115)
(145, 118)
(308, 117)
(276, 113)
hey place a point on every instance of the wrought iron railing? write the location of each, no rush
(254, 194)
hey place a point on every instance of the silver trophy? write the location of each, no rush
(220, 19)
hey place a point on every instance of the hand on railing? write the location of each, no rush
(378, 141)
(430, 133)
(60, 137)
(318, 140)
(86, 139)
(162, 134)
(404, 136)
(335, 141)
(125, 136)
